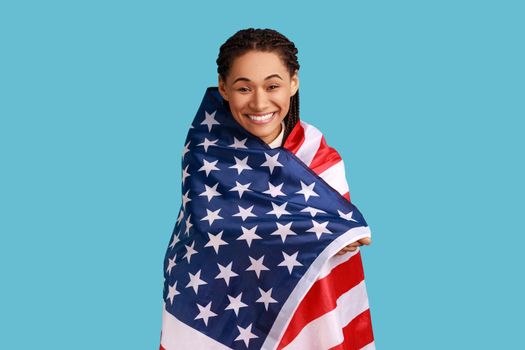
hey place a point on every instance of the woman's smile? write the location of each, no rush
(261, 118)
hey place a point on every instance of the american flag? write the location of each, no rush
(251, 262)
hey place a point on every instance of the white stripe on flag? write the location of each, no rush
(335, 177)
(309, 148)
(371, 346)
(327, 330)
(306, 282)
(335, 261)
(177, 335)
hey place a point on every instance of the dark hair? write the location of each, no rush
(267, 40)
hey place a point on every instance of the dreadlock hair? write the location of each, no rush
(266, 40)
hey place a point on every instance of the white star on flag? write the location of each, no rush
(274, 191)
(172, 292)
(278, 210)
(241, 188)
(283, 231)
(290, 261)
(210, 192)
(244, 213)
(185, 199)
(212, 216)
(188, 225)
(226, 273)
(205, 313)
(319, 228)
(241, 164)
(238, 144)
(257, 266)
(249, 235)
(181, 216)
(266, 298)
(186, 149)
(195, 281)
(171, 264)
(271, 162)
(235, 304)
(215, 241)
(185, 174)
(190, 251)
(208, 166)
(209, 120)
(207, 143)
(346, 216)
(312, 211)
(246, 334)
(175, 240)
(307, 191)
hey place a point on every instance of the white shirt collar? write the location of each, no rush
(279, 139)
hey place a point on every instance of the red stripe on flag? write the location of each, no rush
(161, 348)
(347, 196)
(358, 333)
(324, 158)
(323, 295)
(295, 139)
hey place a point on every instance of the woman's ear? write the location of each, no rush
(294, 84)
(222, 89)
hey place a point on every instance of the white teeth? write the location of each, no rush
(262, 117)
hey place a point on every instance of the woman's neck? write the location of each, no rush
(277, 141)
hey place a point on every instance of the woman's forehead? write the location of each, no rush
(258, 66)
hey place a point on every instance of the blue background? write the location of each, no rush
(424, 100)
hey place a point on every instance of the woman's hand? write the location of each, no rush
(353, 246)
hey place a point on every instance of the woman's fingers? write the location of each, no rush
(347, 249)
(365, 241)
(353, 246)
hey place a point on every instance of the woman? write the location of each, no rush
(258, 84)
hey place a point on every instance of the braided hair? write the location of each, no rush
(267, 40)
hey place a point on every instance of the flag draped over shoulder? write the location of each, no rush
(251, 263)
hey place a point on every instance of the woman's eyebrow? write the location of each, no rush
(268, 77)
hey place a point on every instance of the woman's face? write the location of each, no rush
(258, 89)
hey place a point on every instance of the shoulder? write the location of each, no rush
(324, 160)
(311, 131)
(309, 144)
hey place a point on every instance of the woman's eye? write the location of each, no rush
(243, 89)
(273, 87)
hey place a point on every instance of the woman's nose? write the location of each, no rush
(259, 101)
